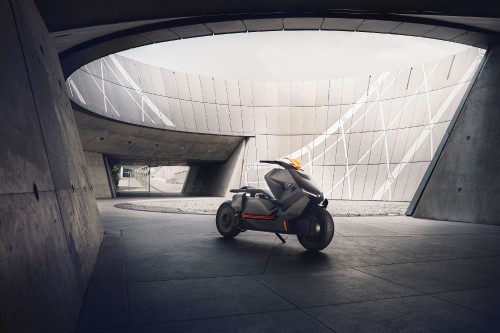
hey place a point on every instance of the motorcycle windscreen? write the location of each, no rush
(305, 182)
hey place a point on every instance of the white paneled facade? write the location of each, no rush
(362, 138)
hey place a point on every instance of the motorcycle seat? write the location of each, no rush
(253, 191)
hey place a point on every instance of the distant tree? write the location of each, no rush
(115, 174)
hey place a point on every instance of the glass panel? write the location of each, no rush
(376, 146)
(365, 147)
(283, 93)
(331, 147)
(175, 109)
(359, 182)
(408, 112)
(200, 117)
(284, 146)
(369, 186)
(212, 118)
(335, 92)
(144, 78)
(207, 89)
(308, 119)
(361, 88)
(295, 121)
(236, 119)
(436, 98)
(188, 115)
(322, 87)
(272, 146)
(371, 115)
(260, 120)
(296, 93)
(412, 182)
(320, 119)
(182, 86)
(416, 80)
(420, 112)
(353, 148)
(442, 72)
(162, 103)
(224, 119)
(358, 118)
(388, 85)
(284, 120)
(327, 180)
(246, 92)
(233, 92)
(333, 117)
(348, 90)
(399, 146)
(309, 93)
(259, 93)
(169, 81)
(157, 81)
(389, 142)
(397, 107)
(318, 152)
(400, 182)
(220, 91)
(195, 87)
(271, 91)
(248, 119)
(272, 121)
(422, 153)
(337, 183)
(430, 72)
(401, 83)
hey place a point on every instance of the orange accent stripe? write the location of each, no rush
(284, 224)
(257, 217)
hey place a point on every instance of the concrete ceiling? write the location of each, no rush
(86, 30)
(128, 144)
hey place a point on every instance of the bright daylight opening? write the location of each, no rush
(292, 55)
(364, 113)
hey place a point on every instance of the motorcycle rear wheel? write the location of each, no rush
(322, 218)
(225, 221)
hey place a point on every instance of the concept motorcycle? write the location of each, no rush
(295, 206)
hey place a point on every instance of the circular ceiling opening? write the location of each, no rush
(292, 55)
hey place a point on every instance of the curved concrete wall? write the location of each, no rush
(362, 138)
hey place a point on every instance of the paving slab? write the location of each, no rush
(485, 300)
(163, 272)
(294, 321)
(164, 301)
(105, 306)
(406, 314)
(432, 277)
(336, 286)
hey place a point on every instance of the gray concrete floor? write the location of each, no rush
(160, 272)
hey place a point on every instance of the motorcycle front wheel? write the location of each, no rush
(323, 224)
(225, 220)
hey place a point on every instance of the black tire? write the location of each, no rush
(326, 230)
(225, 220)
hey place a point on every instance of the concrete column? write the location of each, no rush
(216, 179)
(50, 229)
(465, 184)
(99, 175)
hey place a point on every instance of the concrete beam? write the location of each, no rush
(132, 144)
